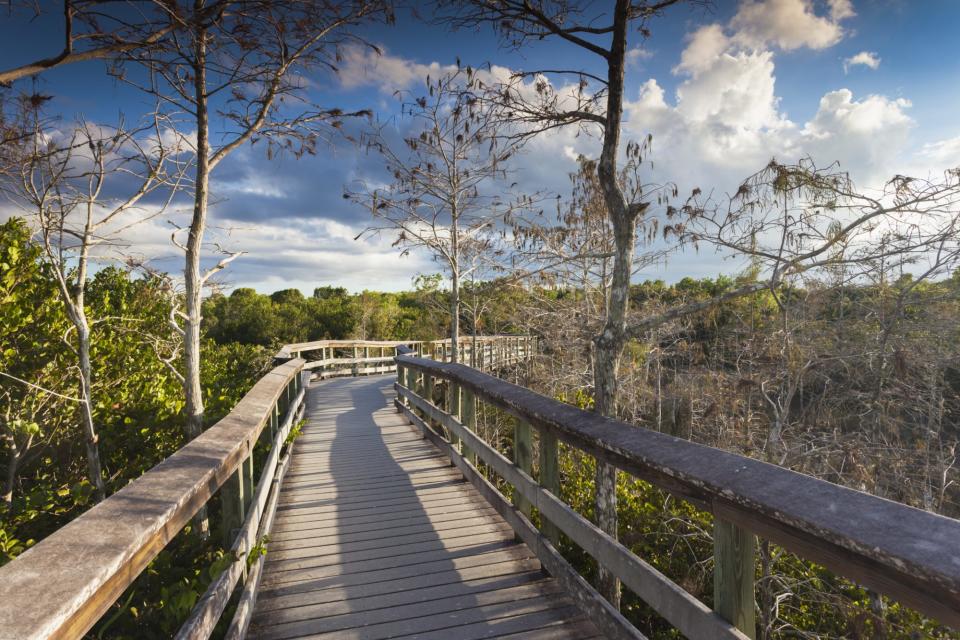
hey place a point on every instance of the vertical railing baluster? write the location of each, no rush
(549, 478)
(734, 551)
(453, 408)
(523, 458)
(468, 413)
(428, 394)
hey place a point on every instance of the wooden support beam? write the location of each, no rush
(734, 553)
(523, 458)
(468, 410)
(232, 505)
(453, 408)
(549, 479)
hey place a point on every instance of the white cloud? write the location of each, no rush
(726, 121)
(703, 48)
(789, 24)
(362, 66)
(866, 136)
(636, 55)
(867, 59)
(933, 158)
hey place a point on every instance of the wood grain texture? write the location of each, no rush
(377, 536)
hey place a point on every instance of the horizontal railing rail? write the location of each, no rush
(908, 554)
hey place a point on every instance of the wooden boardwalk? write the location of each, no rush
(377, 536)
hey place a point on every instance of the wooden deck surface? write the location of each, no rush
(377, 536)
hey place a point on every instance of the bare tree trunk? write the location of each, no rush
(455, 316)
(78, 316)
(608, 346)
(473, 342)
(193, 279)
(768, 602)
(454, 279)
(91, 439)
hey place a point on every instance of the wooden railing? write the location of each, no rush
(336, 358)
(61, 587)
(908, 554)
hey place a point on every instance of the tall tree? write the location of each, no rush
(602, 34)
(446, 196)
(233, 67)
(64, 184)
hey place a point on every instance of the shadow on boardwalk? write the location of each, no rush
(377, 536)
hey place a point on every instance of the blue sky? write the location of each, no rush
(873, 85)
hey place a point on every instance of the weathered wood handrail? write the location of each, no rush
(60, 587)
(909, 554)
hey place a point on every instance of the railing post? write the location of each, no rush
(523, 458)
(549, 478)
(428, 394)
(734, 551)
(233, 504)
(402, 381)
(247, 476)
(453, 408)
(274, 424)
(468, 412)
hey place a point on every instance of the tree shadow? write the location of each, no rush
(377, 531)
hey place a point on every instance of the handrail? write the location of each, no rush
(366, 357)
(906, 553)
(294, 349)
(60, 587)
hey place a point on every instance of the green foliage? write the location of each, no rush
(258, 550)
(332, 313)
(295, 432)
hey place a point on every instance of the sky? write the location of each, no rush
(722, 88)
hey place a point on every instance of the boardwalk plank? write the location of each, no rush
(377, 536)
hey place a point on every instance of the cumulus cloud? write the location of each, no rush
(365, 67)
(725, 119)
(703, 48)
(636, 55)
(790, 24)
(867, 59)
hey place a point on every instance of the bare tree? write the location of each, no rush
(445, 197)
(64, 184)
(231, 69)
(595, 104)
(794, 219)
